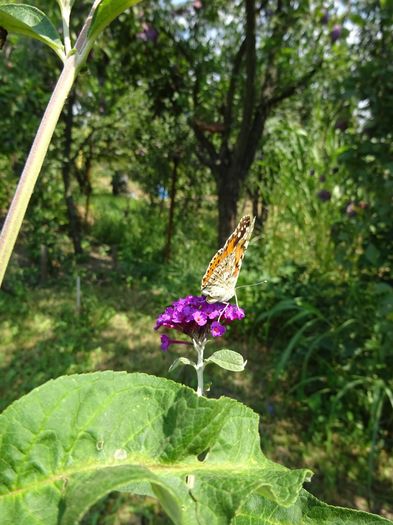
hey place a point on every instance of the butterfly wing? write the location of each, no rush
(220, 279)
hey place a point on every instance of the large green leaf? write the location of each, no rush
(228, 359)
(71, 441)
(107, 11)
(29, 21)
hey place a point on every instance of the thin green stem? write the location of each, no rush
(200, 366)
(34, 163)
(65, 13)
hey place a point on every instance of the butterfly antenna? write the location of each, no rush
(249, 285)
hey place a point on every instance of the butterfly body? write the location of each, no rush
(219, 282)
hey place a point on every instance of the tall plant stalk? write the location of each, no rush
(74, 60)
(34, 163)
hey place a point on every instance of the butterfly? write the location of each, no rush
(219, 282)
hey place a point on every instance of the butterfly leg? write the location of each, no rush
(222, 311)
(237, 304)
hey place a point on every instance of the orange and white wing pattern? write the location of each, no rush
(219, 281)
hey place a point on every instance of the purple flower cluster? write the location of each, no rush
(325, 17)
(335, 33)
(148, 33)
(195, 317)
(324, 195)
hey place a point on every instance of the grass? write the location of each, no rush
(48, 338)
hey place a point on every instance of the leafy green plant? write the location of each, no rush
(300, 188)
(333, 345)
(70, 442)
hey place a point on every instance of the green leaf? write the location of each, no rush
(356, 19)
(228, 359)
(181, 361)
(372, 254)
(105, 13)
(29, 21)
(73, 440)
(307, 510)
(85, 490)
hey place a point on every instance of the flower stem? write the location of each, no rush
(34, 163)
(65, 14)
(200, 366)
(175, 341)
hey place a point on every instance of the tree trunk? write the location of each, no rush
(88, 188)
(264, 215)
(83, 176)
(228, 190)
(255, 204)
(251, 96)
(260, 208)
(72, 213)
(43, 263)
(168, 246)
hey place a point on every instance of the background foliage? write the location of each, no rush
(131, 160)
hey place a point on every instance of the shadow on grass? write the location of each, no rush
(46, 337)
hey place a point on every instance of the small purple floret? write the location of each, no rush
(213, 311)
(165, 342)
(335, 33)
(200, 318)
(217, 329)
(232, 313)
(148, 33)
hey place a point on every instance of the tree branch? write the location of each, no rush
(280, 26)
(210, 158)
(290, 90)
(179, 45)
(207, 155)
(228, 108)
(249, 91)
(92, 132)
